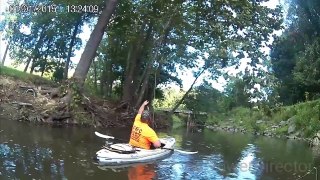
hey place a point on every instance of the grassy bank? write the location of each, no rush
(301, 120)
(38, 80)
(26, 77)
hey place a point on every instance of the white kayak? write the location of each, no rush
(121, 154)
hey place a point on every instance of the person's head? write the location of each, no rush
(145, 116)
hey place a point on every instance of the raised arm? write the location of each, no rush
(142, 107)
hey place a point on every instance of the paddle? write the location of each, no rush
(111, 137)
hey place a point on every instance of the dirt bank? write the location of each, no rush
(39, 102)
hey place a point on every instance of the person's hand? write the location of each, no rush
(145, 103)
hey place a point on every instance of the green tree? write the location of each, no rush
(52, 36)
(238, 93)
(153, 38)
(229, 31)
(170, 98)
(204, 98)
(294, 56)
(90, 49)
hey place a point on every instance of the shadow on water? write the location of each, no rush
(28, 151)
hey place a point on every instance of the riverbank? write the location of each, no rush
(26, 97)
(300, 121)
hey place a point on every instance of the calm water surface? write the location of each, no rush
(29, 151)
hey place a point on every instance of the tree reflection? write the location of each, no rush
(65, 153)
(24, 162)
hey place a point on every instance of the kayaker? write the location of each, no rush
(142, 135)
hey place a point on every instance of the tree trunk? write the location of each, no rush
(89, 52)
(109, 88)
(101, 86)
(135, 54)
(185, 95)
(94, 76)
(128, 86)
(109, 78)
(32, 55)
(73, 38)
(90, 49)
(5, 54)
(154, 85)
(33, 65)
(43, 69)
(140, 82)
(160, 42)
(102, 80)
(144, 84)
(27, 65)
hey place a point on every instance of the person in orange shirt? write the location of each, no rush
(142, 135)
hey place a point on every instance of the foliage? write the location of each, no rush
(176, 122)
(145, 43)
(57, 75)
(282, 130)
(171, 96)
(238, 92)
(215, 118)
(306, 71)
(162, 33)
(44, 40)
(204, 98)
(283, 114)
(294, 55)
(308, 117)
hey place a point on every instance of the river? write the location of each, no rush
(29, 151)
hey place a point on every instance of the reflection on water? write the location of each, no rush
(38, 152)
(248, 166)
(17, 161)
(141, 172)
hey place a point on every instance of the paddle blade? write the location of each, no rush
(181, 151)
(103, 136)
(186, 152)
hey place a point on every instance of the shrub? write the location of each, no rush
(282, 130)
(308, 117)
(214, 119)
(284, 114)
(176, 121)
